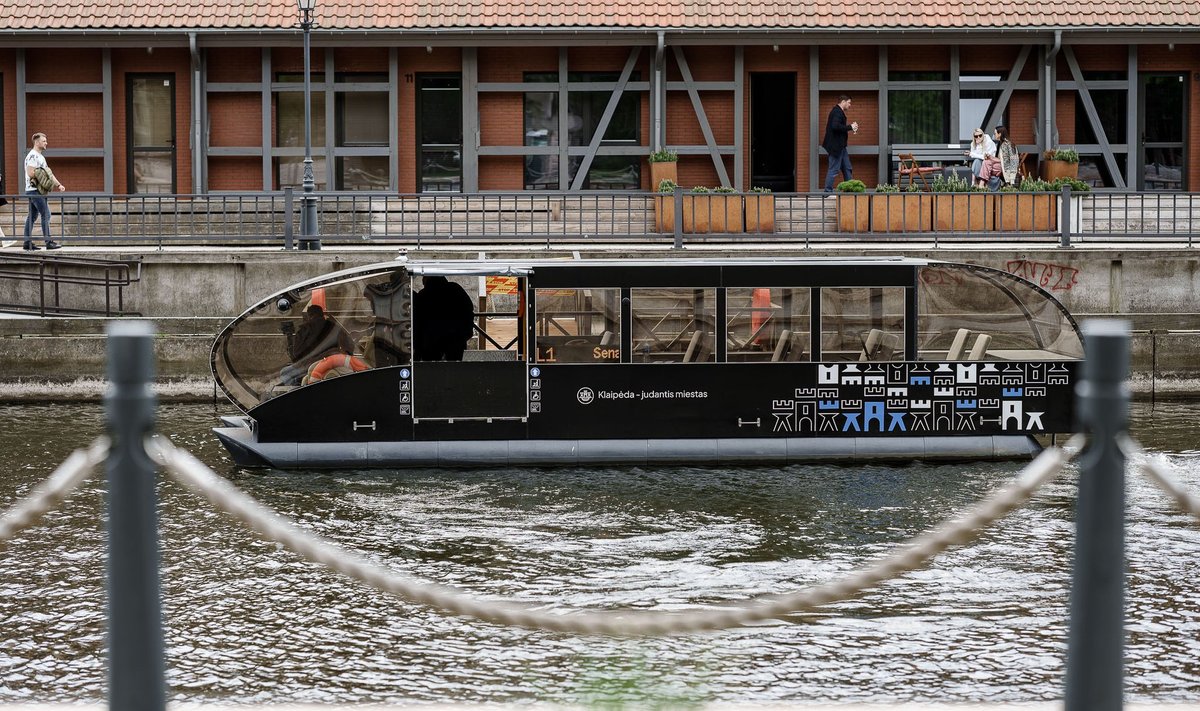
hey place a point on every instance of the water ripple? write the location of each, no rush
(247, 622)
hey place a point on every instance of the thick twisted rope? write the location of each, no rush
(204, 482)
(1158, 473)
(54, 489)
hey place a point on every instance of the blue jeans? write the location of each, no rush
(976, 166)
(37, 206)
(838, 164)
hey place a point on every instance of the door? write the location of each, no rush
(439, 132)
(485, 378)
(773, 131)
(1162, 114)
(150, 132)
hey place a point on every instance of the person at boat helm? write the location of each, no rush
(443, 320)
(318, 336)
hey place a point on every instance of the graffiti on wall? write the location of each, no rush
(1049, 276)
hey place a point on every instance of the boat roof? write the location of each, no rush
(521, 265)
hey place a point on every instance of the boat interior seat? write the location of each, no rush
(607, 338)
(979, 350)
(782, 346)
(795, 351)
(878, 346)
(958, 345)
(698, 349)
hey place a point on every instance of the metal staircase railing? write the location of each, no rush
(49, 274)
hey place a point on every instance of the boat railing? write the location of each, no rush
(562, 219)
(132, 455)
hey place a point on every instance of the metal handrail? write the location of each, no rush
(550, 218)
(47, 272)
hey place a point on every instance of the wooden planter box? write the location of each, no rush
(663, 171)
(901, 212)
(1026, 212)
(1054, 169)
(664, 212)
(854, 212)
(760, 213)
(962, 212)
(705, 213)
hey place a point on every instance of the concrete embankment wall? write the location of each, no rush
(191, 294)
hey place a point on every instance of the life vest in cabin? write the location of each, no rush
(760, 311)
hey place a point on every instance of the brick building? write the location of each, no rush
(172, 97)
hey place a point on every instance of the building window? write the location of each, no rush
(439, 132)
(361, 137)
(1111, 107)
(977, 97)
(918, 115)
(585, 109)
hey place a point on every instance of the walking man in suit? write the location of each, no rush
(837, 135)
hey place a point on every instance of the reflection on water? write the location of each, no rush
(247, 622)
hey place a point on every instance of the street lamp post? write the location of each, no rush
(309, 236)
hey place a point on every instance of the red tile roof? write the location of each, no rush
(608, 14)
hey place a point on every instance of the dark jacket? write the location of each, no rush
(837, 132)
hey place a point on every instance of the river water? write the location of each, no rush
(248, 622)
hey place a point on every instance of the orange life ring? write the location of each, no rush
(339, 360)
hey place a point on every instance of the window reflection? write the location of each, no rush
(578, 325)
(862, 324)
(768, 325)
(674, 325)
(585, 110)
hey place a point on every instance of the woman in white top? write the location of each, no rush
(982, 148)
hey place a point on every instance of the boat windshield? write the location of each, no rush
(313, 332)
(975, 313)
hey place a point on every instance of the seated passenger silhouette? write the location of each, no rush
(443, 320)
(317, 337)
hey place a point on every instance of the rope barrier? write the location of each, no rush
(1159, 475)
(907, 557)
(54, 489)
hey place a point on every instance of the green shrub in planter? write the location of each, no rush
(1067, 155)
(664, 156)
(667, 186)
(701, 189)
(887, 188)
(1035, 185)
(723, 189)
(758, 189)
(852, 186)
(953, 184)
(1076, 185)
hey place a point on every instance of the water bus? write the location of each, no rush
(647, 361)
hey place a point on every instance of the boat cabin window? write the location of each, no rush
(862, 323)
(980, 314)
(316, 333)
(673, 325)
(452, 323)
(578, 325)
(767, 325)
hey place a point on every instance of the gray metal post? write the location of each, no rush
(309, 239)
(289, 211)
(1095, 641)
(136, 668)
(1064, 218)
(678, 197)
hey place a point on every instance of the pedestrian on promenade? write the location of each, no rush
(39, 181)
(837, 136)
